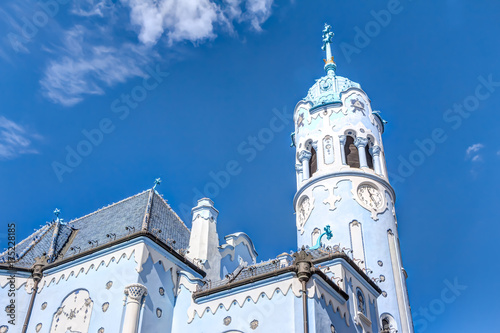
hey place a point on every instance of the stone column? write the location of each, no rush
(135, 294)
(342, 139)
(375, 151)
(304, 157)
(361, 143)
(298, 168)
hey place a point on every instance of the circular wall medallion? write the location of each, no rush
(101, 330)
(380, 263)
(227, 320)
(384, 293)
(4, 329)
(382, 278)
(370, 196)
(44, 305)
(109, 284)
(161, 291)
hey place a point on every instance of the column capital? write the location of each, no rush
(360, 142)
(304, 155)
(342, 139)
(375, 150)
(298, 167)
(136, 291)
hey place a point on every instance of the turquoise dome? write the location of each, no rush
(328, 89)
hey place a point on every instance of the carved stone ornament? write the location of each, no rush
(254, 324)
(227, 321)
(109, 284)
(136, 291)
(303, 212)
(158, 312)
(38, 327)
(105, 307)
(44, 305)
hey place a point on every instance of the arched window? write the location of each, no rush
(369, 158)
(313, 162)
(351, 153)
(385, 325)
(75, 311)
(361, 301)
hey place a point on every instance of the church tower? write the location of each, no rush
(343, 185)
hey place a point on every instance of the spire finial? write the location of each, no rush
(157, 182)
(330, 65)
(57, 212)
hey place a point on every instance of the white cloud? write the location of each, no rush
(472, 152)
(92, 58)
(15, 140)
(85, 69)
(192, 20)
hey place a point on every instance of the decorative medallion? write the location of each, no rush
(4, 329)
(303, 212)
(332, 328)
(357, 105)
(38, 327)
(8, 309)
(384, 293)
(161, 291)
(158, 312)
(101, 330)
(254, 324)
(109, 284)
(300, 120)
(325, 84)
(59, 311)
(227, 320)
(382, 278)
(380, 263)
(105, 307)
(328, 150)
(44, 305)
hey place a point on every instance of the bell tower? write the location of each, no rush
(342, 182)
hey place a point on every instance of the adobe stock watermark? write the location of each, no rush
(372, 29)
(453, 117)
(30, 26)
(94, 137)
(248, 149)
(428, 314)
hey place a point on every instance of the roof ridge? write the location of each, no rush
(173, 211)
(106, 207)
(26, 239)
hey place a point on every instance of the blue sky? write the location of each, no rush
(221, 71)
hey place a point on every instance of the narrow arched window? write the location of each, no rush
(385, 325)
(313, 162)
(351, 153)
(369, 158)
(361, 301)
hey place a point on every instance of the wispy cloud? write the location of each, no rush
(472, 152)
(85, 69)
(15, 140)
(89, 8)
(93, 58)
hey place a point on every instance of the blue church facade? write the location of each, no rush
(134, 266)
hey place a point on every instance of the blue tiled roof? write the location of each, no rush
(119, 220)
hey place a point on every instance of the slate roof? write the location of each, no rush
(145, 212)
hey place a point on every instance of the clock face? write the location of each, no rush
(370, 196)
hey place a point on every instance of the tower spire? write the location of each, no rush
(330, 66)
